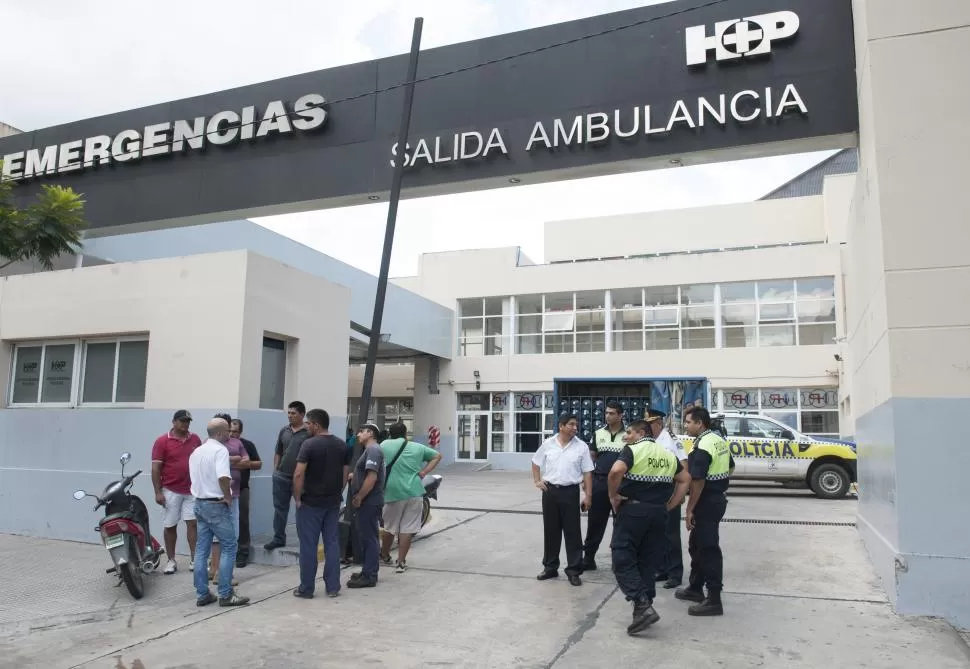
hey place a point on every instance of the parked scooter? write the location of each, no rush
(124, 531)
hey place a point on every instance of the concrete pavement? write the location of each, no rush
(797, 596)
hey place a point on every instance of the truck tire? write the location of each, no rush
(830, 481)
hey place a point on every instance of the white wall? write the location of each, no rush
(192, 309)
(389, 381)
(714, 227)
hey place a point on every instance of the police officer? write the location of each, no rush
(606, 446)
(670, 568)
(644, 483)
(710, 465)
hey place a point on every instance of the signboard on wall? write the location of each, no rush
(678, 83)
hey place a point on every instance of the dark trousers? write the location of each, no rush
(672, 562)
(244, 539)
(311, 523)
(704, 543)
(282, 495)
(368, 532)
(599, 513)
(638, 544)
(560, 519)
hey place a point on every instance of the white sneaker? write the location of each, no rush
(192, 563)
(170, 567)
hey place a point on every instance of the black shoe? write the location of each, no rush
(301, 594)
(275, 543)
(240, 562)
(689, 594)
(661, 576)
(574, 579)
(589, 565)
(644, 616)
(547, 574)
(233, 600)
(205, 601)
(709, 607)
(362, 582)
(672, 583)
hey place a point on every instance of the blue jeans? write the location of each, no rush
(234, 514)
(311, 521)
(282, 494)
(214, 519)
(368, 529)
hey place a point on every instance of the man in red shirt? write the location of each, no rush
(170, 476)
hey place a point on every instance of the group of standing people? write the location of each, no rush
(639, 474)
(206, 486)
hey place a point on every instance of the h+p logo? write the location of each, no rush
(740, 38)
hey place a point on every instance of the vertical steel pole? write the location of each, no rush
(402, 137)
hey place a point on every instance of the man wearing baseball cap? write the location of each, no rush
(170, 477)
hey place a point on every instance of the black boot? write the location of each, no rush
(689, 594)
(709, 607)
(589, 564)
(644, 616)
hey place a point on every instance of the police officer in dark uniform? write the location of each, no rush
(645, 482)
(710, 465)
(606, 446)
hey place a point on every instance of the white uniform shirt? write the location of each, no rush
(207, 464)
(672, 445)
(560, 465)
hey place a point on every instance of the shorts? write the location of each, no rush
(404, 516)
(234, 515)
(177, 507)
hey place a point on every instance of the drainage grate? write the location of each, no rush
(766, 521)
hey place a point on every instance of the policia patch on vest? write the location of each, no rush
(607, 447)
(711, 460)
(651, 469)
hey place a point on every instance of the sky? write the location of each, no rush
(67, 60)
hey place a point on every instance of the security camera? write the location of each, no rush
(838, 358)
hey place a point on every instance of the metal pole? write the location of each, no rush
(402, 136)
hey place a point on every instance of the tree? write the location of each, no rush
(50, 227)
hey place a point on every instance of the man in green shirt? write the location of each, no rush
(407, 464)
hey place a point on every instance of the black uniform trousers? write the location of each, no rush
(560, 519)
(599, 513)
(672, 563)
(638, 544)
(704, 543)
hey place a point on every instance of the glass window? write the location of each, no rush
(776, 335)
(738, 292)
(626, 298)
(816, 311)
(732, 425)
(698, 294)
(528, 304)
(698, 338)
(132, 371)
(662, 296)
(473, 402)
(739, 314)
(493, 306)
(758, 427)
(818, 288)
(473, 307)
(694, 317)
(776, 291)
(628, 341)
(99, 372)
(26, 375)
(740, 337)
(272, 378)
(57, 382)
(816, 334)
(820, 422)
(667, 340)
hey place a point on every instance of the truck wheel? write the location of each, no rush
(830, 481)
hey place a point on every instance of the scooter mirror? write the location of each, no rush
(80, 494)
(125, 457)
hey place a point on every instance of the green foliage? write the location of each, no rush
(52, 226)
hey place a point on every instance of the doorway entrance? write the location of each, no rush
(472, 442)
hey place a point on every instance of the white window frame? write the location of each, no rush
(44, 343)
(77, 380)
(114, 382)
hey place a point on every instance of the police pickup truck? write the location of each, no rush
(765, 449)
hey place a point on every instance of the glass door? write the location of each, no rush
(472, 442)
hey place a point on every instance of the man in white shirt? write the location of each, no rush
(211, 481)
(671, 565)
(558, 467)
